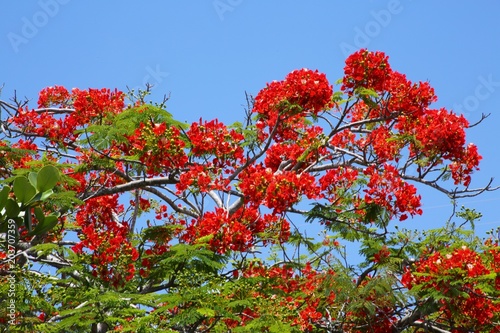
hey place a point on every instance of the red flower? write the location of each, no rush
(388, 190)
(53, 96)
(463, 301)
(284, 104)
(365, 69)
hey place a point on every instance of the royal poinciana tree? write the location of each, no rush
(117, 217)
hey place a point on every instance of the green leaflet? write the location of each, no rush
(117, 128)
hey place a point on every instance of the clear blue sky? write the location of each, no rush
(206, 54)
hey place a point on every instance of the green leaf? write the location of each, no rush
(12, 208)
(367, 92)
(32, 178)
(47, 178)
(23, 190)
(39, 214)
(46, 225)
(337, 97)
(4, 195)
(46, 194)
(205, 239)
(27, 219)
(279, 327)
(206, 312)
(41, 196)
(46, 247)
(373, 211)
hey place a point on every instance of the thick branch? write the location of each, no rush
(133, 185)
(54, 110)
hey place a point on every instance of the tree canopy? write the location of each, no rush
(116, 217)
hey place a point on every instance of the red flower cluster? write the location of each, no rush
(88, 105)
(298, 295)
(384, 145)
(236, 232)
(306, 298)
(459, 277)
(408, 98)
(284, 104)
(213, 138)
(463, 166)
(107, 238)
(365, 69)
(336, 181)
(53, 96)
(388, 190)
(287, 188)
(431, 136)
(19, 162)
(277, 190)
(219, 152)
(159, 147)
(353, 167)
(310, 90)
(306, 149)
(96, 103)
(254, 181)
(382, 255)
(439, 131)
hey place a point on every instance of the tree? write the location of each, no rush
(117, 217)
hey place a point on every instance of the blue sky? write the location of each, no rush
(207, 54)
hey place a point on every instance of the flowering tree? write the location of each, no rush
(117, 217)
